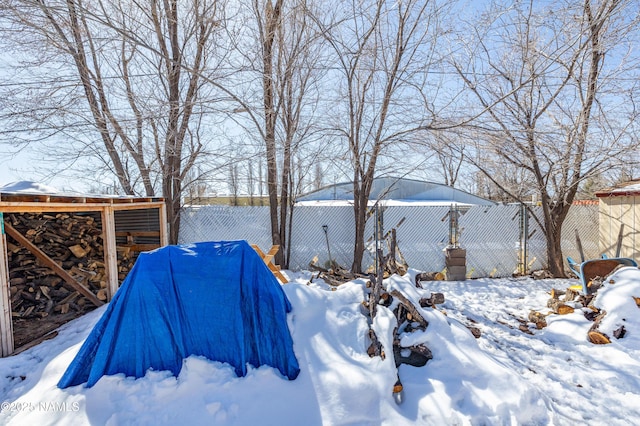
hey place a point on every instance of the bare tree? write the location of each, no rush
(234, 184)
(447, 154)
(138, 68)
(547, 81)
(285, 60)
(318, 177)
(250, 184)
(383, 52)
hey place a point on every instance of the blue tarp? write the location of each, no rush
(215, 299)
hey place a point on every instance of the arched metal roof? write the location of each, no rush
(398, 190)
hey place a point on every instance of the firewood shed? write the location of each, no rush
(63, 255)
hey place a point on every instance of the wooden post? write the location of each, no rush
(6, 325)
(164, 236)
(110, 251)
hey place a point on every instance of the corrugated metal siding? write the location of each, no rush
(131, 221)
(138, 220)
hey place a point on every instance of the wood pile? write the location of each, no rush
(335, 276)
(568, 301)
(56, 269)
(391, 263)
(409, 319)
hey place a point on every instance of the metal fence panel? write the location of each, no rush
(422, 234)
(536, 243)
(583, 219)
(492, 235)
(225, 223)
(308, 238)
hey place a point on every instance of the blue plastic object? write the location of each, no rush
(589, 269)
(215, 299)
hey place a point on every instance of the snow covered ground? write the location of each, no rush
(553, 376)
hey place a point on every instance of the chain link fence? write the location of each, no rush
(500, 240)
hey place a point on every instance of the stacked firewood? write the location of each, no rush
(74, 243)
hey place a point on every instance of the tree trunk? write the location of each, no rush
(360, 217)
(284, 202)
(554, 252)
(271, 20)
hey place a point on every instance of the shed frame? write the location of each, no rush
(46, 203)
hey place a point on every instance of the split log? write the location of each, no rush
(79, 251)
(559, 307)
(474, 330)
(435, 299)
(538, 319)
(386, 299)
(594, 335)
(428, 276)
(375, 348)
(412, 311)
(620, 332)
(555, 294)
(598, 338)
(335, 276)
(418, 356)
(571, 295)
(591, 315)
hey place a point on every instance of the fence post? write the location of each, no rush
(524, 239)
(378, 230)
(454, 226)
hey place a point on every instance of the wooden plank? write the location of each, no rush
(110, 250)
(276, 271)
(142, 247)
(258, 250)
(268, 261)
(268, 258)
(36, 207)
(36, 342)
(31, 207)
(50, 263)
(138, 234)
(164, 235)
(137, 206)
(41, 198)
(6, 324)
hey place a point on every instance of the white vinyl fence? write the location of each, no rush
(494, 236)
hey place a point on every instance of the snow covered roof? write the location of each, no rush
(395, 191)
(27, 187)
(28, 191)
(626, 189)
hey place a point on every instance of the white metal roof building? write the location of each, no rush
(395, 191)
